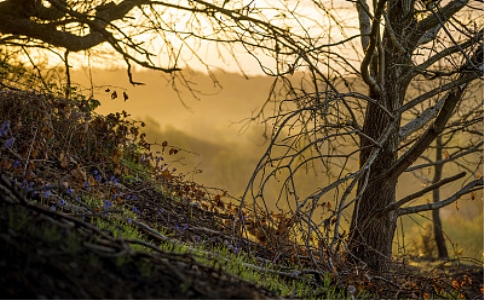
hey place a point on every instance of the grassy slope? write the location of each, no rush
(87, 211)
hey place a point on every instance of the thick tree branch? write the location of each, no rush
(465, 79)
(444, 115)
(433, 206)
(11, 21)
(429, 35)
(451, 50)
(49, 34)
(427, 138)
(429, 24)
(422, 119)
(370, 51)
(365, 24)
(408, 198)
(453, 157)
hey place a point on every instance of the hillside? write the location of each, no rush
(88, 210)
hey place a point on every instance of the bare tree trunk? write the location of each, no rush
(371, 238)
(438, 233)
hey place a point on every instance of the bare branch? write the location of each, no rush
(451, 50)
(474, 149)
(420, 145)
(471, 186)
(422, 192)
(49, 34)
(365, 24)
(429, 35)
(431, 22)
(462, 80)
(370, 51)
(422, 119)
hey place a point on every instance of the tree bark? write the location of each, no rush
(437, 223)
(371, 237)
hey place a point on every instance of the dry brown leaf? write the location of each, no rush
(64, 160)
(79, 174)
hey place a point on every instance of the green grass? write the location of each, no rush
(242, 265)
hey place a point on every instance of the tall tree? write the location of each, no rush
(328, 121)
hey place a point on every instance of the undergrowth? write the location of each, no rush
(100, 173)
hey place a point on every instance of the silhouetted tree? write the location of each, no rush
(328, 122)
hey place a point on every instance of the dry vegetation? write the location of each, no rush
(89, 211)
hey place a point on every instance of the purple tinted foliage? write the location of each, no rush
(52, 207)
(130, 220)
(70, 191)
(4, 128)
(87, 186)
(107, 204)
(47, 194)
(113, 179)
(95, 172)
(8, 143)
(16, 164)
(135, 210)
(181, 228)
(62, 202)
(134, 197)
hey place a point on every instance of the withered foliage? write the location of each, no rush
(57, 154)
